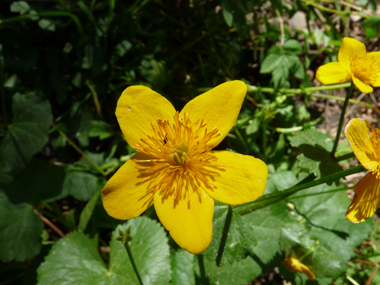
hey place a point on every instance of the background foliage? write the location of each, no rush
(63, 65)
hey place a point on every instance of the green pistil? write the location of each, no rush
(179, 154)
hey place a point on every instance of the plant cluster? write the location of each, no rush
(63, 67)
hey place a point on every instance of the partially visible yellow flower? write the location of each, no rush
(293, 265)
(365, 142)
(175, 167)
(354, 64)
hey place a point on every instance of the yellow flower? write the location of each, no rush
(293, 265)
(175, 167)
(365, 142)
(354, 64)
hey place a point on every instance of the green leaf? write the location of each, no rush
(316, 148)
(183, 268)
(207, 272)
(75, 259)
(20, 7)
(100, 129)
(271, 62)
(47, 24)
(26, 136)
(371, 25)
(321, 222)
(20, 230)
(33, 15)
(79, 123)
(371, 22)
(82, 185)
(11, 81)
(234, 14)
(297, 239)
(232, 237)
(150, 251)
(292, 47)
(122, 48)
(228, 17)
(39, 181)
(327, 210)
(86, 214)
(283, 180)
(267, 223)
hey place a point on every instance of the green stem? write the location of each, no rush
(310, 251)
(272, 198)
(298, 91)
(46, 14)
(95, 97)
(345, 156)
(341, 120)
(81, 152)
(133, 262)
(322, 193)
(323, 8)
(252, 89)
(63, 221)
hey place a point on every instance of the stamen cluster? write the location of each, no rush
(363, 68)
(180, 159)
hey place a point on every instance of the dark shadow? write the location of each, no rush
(202, 279)
(342, 235)
(223, 241)
(39, 181)
(327, 165)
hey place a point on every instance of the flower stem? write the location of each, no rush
(310, 251)
(341, 120)
(46, 14)
(133, 262)
(272, 198)
(292, 91)
(81, 152)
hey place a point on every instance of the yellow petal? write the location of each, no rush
(332, 73)
(363, 87)
(189, 221)
(124, 196)
(350, 48)
(366, 199)
(139, 107)
(357, 133)
(375, 59)
(241, 179)
(293, 265)
(218, 107)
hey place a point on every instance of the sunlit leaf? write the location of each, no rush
(76, 260)
(315, 148)
(233, 238)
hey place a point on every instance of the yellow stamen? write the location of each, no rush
(366, 68)
(180, 161)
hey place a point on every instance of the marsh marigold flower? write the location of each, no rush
(354, 64)
(365, 142)
(293, 265)
(175, 168)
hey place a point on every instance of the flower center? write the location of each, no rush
(180, 158)
(366, 68)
